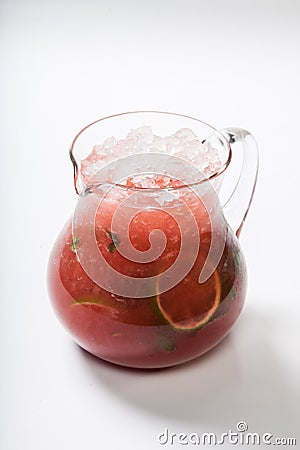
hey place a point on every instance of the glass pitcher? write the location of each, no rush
(148, 272)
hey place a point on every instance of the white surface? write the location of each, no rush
(65, 63)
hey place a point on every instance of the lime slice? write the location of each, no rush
(91, 301)
(189, 306)
(97, 305)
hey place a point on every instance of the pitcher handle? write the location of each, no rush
(237, 205)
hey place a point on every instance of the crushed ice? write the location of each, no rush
(183, 144)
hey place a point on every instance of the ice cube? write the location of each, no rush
(183, 144)
(164, 197)
(185, 134)
(141, 134)
(110, 144)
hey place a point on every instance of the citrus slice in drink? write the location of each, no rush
(190, 305)
(98, 306)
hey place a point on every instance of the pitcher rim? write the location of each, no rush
(214, 175)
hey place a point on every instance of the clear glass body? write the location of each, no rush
(149, 277)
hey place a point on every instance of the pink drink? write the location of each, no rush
(165, 328)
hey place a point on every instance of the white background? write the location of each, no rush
(65, 63)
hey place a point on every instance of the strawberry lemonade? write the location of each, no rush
(124, 280)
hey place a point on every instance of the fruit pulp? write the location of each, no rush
(165, 329)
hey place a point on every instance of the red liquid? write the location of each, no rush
(133, 331)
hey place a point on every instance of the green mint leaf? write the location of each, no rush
(166, 344)
(75, 244)
(115, 241)
(111, 247)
